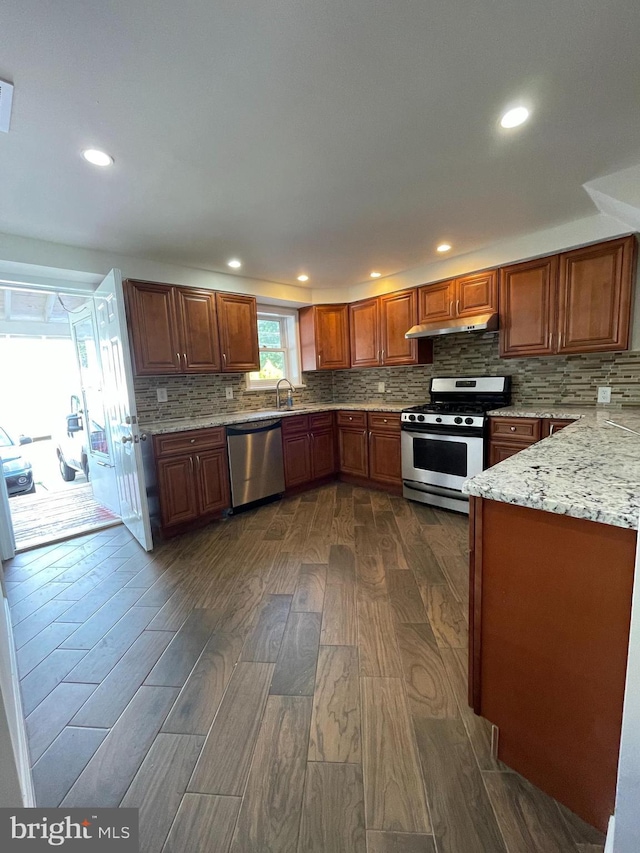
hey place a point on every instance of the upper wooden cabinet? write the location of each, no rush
(575, 302)
(324, 337)
(594, 297)
(528, 307)
(378, 327)
(462, 297)
(238, 324)
(153, 327)
(184, 330)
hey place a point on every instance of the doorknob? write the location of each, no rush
(127, 438)
(143, 436)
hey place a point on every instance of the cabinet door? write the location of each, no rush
(213, 480)
(177, 490)
(594, 307)
(297, 459)
(436, 302)
(477, 294)
(332, 337)
(153, 328)
(498, 452)
(352, 445)
(384, 457)
(527, 308)
(398, 313)
(238, 325)
(198, 320)
(551, 425)
(323, 462)
(364, 327)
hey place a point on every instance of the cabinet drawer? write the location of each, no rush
(181, 442)
(520, 429)
(384, 421)
(322, 419)
(352, 418)
(298, 423)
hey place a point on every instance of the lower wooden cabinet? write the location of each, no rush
(509, 436)
(353, 451)
(308, 445)
(369, 446)
(193, 476)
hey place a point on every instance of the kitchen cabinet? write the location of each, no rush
(385, 464)
(308, 443)
(193, 476)
(353, 448)
(324, 337)
(238, 325)
(462, 297)
(377, 331)
(575, 302)
(182, 330)
(594, 297)
(508, 436)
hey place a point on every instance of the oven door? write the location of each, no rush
(438, 459)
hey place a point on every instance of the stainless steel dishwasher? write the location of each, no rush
(255, 461)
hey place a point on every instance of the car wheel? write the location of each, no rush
(68, 474)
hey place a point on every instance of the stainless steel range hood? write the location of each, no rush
(479, 323)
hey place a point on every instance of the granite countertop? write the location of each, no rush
(588, 470)
(182, 424)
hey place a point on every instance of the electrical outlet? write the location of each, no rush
(228, 392)
(604, 394)
(161, 393)
(380, 387)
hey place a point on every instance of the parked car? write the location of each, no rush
(17, 471)
(72, 446)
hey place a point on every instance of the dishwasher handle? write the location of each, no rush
(254, 427)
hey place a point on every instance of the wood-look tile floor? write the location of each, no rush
(292, 679)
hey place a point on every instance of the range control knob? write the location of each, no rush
(457, 420)
(438, 420)
(468, 420)
(420, 417)
(412, 417)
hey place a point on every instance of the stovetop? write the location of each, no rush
(459, 407)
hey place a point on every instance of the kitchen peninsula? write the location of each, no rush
(553, 535)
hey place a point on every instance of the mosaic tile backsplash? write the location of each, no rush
(556, 379)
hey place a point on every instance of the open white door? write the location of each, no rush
(88, 429)
(120, 408)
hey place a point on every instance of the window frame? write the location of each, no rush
(288, 319)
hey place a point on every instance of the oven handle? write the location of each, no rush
(446, 432)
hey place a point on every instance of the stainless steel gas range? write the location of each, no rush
(444, 442)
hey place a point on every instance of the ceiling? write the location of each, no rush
(331, 138)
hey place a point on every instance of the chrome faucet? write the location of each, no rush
(291, 390)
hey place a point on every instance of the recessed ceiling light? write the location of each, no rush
(97, 157)
(375, 274)
(514, 117)
(234, 263)
(443, 247)
(303, 277)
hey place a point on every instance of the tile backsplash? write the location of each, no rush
(555, 379)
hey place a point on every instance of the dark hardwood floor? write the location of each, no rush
(291, 680)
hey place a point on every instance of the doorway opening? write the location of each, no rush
(50, 377)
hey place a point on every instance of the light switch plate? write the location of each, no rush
(604, 394)
(161, 393)
(228, 393)
(380, 387)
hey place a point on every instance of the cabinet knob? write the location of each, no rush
(193, 441)
(513, 429)
(384, 420)
(350, 418)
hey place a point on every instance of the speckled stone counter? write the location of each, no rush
(162, 427)
(588, 470)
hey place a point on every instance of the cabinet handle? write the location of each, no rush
(551, 429)
(319, 359)
(550, 340)
(451, 308)
(458, 306)
(224, 358)
(179, 360)
(191, 463)
(198, 461)
(513, 429)
(185, 359)
(382, 359)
